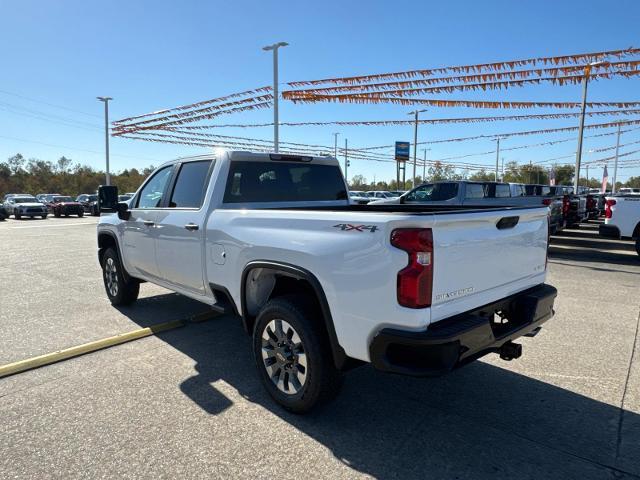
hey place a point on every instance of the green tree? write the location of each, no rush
(482, 176)
(633, 182)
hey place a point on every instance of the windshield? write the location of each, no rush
(92, 198)
(62, 199)
(25, 200)
(432, 192)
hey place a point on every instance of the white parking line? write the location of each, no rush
(57, 225)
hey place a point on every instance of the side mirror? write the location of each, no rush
(107, 198)
(123, 211)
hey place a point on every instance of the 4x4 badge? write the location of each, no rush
(357, 228)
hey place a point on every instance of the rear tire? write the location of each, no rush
(44, 217)
(17, 216)
(119, 290)
(80, 214)
(293, 355)
(638, 246)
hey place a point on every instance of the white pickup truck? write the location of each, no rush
(322, 284)
(622, 218)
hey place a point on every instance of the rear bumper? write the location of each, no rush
(458, 340)
(610, 231)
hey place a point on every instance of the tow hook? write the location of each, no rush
(510, 351)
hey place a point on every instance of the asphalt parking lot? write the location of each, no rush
(188, 404)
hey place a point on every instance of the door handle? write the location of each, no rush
(191, 226)
(148, 223)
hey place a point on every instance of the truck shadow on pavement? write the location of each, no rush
(481, 421)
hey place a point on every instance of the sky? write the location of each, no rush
(57, 56)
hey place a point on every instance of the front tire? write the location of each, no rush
(292, 352)
(80, 214)
(638, 246)
(56, 214)
(17, 216)
(119, 291)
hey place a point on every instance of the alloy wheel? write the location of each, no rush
(111, 276)
(284, 357)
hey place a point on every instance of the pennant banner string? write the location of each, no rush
(198, 104)
(495, 66)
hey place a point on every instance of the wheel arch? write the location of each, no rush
(107, 239)
(283, 272)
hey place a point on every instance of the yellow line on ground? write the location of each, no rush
(49, 358)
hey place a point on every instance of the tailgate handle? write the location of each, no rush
(507, 222)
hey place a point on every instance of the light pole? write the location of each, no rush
(106, 132)
(415, 144)
(335, 144)
(615, 163)
(497, 156)
(346, 161)
(585, 82)
(275, 48)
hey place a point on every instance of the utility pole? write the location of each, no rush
(424, 165)
(415, 144)
(585, 82)
(615, 163)
(497, 155)
(530, 170)
(276, 122)
(502, 169)
(106, 133)
(335, 145)
(587, 174)
(346, 161)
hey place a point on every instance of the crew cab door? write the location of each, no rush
(181, 226)
(139, 231)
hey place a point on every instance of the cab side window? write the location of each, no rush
(151, 195)
(190, 186)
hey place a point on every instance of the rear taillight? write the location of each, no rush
(547, 201)
(608, 213)
(415, 281)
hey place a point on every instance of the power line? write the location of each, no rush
(75, 148)
(49, 104)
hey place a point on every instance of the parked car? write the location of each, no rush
(274, 240)
(551, 200)
(574, 207)
(63, 205)
(461, 193)
(381, 194)
(622, 218)
(46, 198)
(89, 202)
(9, 195)
(397, 193)
(25, 206)
(359, 197)
(4, 213)
(124, 198)
(630, 191)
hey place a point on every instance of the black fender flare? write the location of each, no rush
(108, 233)
(340, 358)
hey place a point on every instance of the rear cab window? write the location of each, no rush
(264, 182)
(474, 190)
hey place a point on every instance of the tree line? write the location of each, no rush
(19, 175)
(512, 173)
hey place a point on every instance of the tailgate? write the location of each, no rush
(482, 257)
